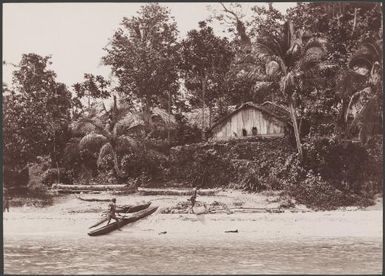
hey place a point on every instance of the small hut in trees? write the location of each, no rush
(267, 119)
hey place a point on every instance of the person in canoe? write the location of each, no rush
(112, 214)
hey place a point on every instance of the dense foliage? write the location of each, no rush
(322, 60)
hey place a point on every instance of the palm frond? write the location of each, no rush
(126, 144)
(99, 128)
(348, 82)
(268, 46)
(357, 102)
(313, 53)
(104, 151)
(261, 85)
(92, 142)
(86, 124)
(128, 122)
(365, 56)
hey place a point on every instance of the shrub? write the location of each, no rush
(185, 133)
(146, 164)
(343, 164)
(51, 176)
(200, 166)
(316, 193)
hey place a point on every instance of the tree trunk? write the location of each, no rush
(147, 114)
(210, 116)
(169, 115)
(116, 164)
(204, 80)
(295, 126)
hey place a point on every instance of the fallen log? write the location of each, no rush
(177, 192)
(90, 187)
(93, 199)
(257, 210)
(60, 191)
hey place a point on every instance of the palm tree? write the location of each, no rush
(117, 131)
(365, 104)
(287, 55)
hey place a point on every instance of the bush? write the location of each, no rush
(316, 193)
(185, 133)
(51, 176)
(200, 166)
(149, 163)
(345, 165)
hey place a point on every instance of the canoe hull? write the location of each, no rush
(114, 225)
(132, 209)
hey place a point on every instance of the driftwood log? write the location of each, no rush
(94, 199)
(62, 188)
(178, 192)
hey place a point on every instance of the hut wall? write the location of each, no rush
(245, 120)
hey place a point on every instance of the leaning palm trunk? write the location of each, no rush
(116, 165)
(295, 126)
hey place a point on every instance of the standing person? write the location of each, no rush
(5, 200)
(112, 212)
(193, 198)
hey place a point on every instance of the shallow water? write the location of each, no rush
(123, 253)
(54, 241)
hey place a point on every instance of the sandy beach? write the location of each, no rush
(249, 216)
(64, 226)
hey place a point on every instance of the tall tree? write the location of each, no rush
(35, 113)
(205, 61)
(346, 27)
(93, 87)
(288, 56)
(143, 54)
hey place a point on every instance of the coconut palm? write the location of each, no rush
(287, 55)
(119, 130)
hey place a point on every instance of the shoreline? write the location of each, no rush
(69, 216)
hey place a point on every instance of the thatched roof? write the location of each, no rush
(279, 110)
(195, 118)
(161, 116)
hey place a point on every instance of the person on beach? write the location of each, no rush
(112, 212)
(5, 200)
(193, 198)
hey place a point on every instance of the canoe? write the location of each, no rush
(126, 220)
(132, 208)
(124, 209)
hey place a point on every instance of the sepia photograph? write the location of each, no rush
(192, 138)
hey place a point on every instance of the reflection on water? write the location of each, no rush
(161, 254)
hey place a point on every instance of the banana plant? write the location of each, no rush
(365, 104)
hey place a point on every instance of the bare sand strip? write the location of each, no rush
(70, 216)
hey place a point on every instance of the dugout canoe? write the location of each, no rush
(126, 220)
(124, 209)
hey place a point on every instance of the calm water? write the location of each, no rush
(122, 253)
